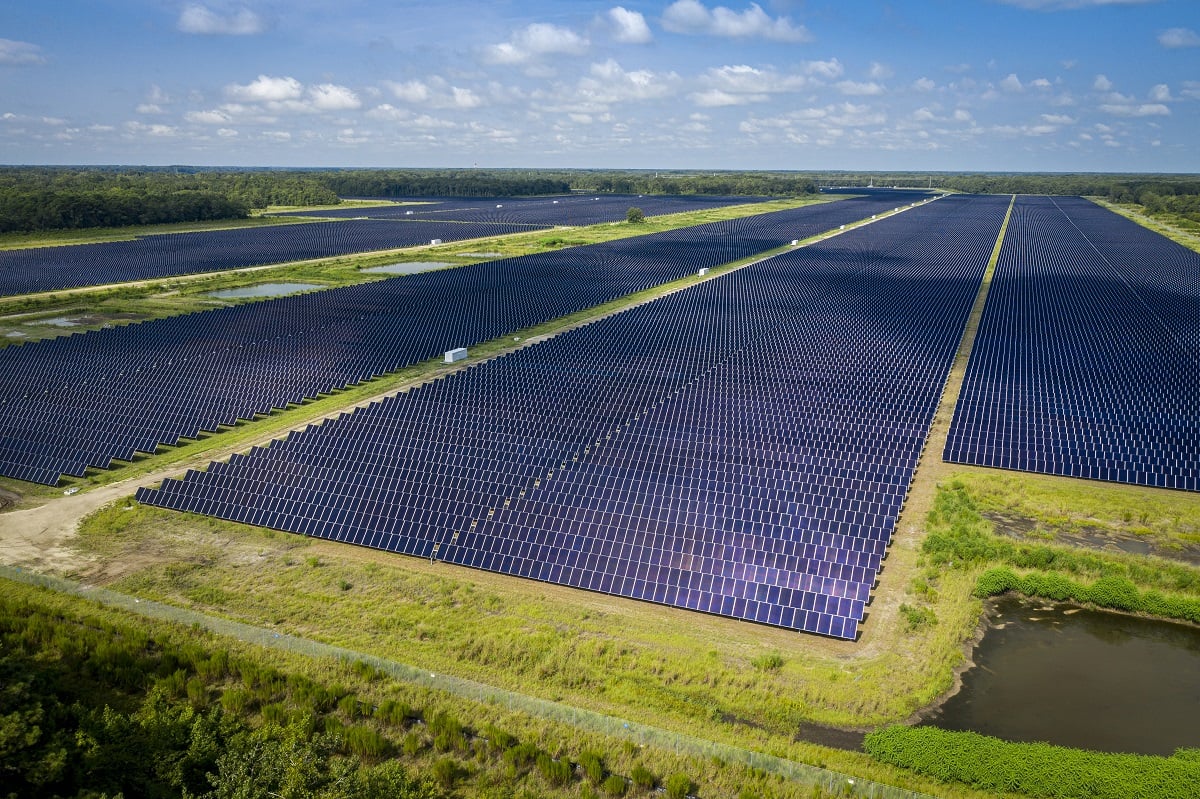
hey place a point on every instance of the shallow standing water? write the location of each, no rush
(263, 290)
(1081, 678)
(410, 268)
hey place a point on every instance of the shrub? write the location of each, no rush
(643, 777)
(555, 772)
(770, 661)
(593, 766)
(615, 785)
(917, 617)
(447, 772)
(679, 786)
(393, 713)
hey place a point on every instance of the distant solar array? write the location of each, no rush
(568, 210)
(742, 447)
(171, 254)
(87, 399)
(1087, 362)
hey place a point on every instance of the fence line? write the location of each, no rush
(581, 718)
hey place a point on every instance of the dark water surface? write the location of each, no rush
(1081, 678)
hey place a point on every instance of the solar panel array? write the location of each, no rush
(88, 399)
(742, 447)
(171, 254)
(569, 210)
(1087, 362)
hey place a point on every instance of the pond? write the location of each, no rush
(1080, 678)
(411, 268)
(263, 290)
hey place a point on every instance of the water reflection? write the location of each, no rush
(1081, 678)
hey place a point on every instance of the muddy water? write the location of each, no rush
(1081, 678)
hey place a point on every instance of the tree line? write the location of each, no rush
(52, 198)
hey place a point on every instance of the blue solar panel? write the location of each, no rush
(86, 399)
(742, 447)
(1086, 360)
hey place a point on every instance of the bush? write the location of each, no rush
(593, 766)
(522, 755)
(643, 777)
(555, 772)
(1037, 769)
(393, 713)
(770, 661)
(615, 785)
(679, 786)
(447, 772)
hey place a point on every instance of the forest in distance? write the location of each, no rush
(60, 198)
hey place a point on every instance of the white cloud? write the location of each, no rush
(1191, 88)
(962, 115)
(693, 17)
(149, 109)
(214, 117)
(1175, 38)
(227, 133)
(1012, 83)
(1102, 84)
(413, 91)
(924, 85)
(534, 41)
(1057, 119)
(155, 131)
(856, 89)
(825, 69)
(879, 71)
(1143, 110)
(464, 98)
(21, 54)
(715, 98)
(629, 26)
(201, 20)
(1040, 83)
(1161, 93)
(609, 83)
(330, 97)
(266, 89)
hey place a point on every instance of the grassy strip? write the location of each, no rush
(1177, 228)
(1049, 507)
(960, 536)
(349, 706)
(1036, 769)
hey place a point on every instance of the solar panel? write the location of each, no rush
(1086, 360)
(740, 448)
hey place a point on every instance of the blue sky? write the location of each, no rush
(998, 85)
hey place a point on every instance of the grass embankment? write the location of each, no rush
(98, 701)
(961, 539)
(1177, 228)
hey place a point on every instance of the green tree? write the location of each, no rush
(634, 216)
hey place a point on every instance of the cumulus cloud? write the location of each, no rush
(1175, 38)
(266, 89)
(1012, 83)
(330, 97)
(534, 41)
(1102, 84)
(213, 117)
(1161, 93)
(924, 85)
(609, 83)
(1135, 110)
(825, 69)
(629, 26)
(434, 93)
(20, 54)
(1057, 119)
(201, 20)
(879, 71)
(693, 17)
(413, 91)
(855, 89)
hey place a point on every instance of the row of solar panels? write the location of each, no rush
(86, 399)
(1087, 361)
(629, 456)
